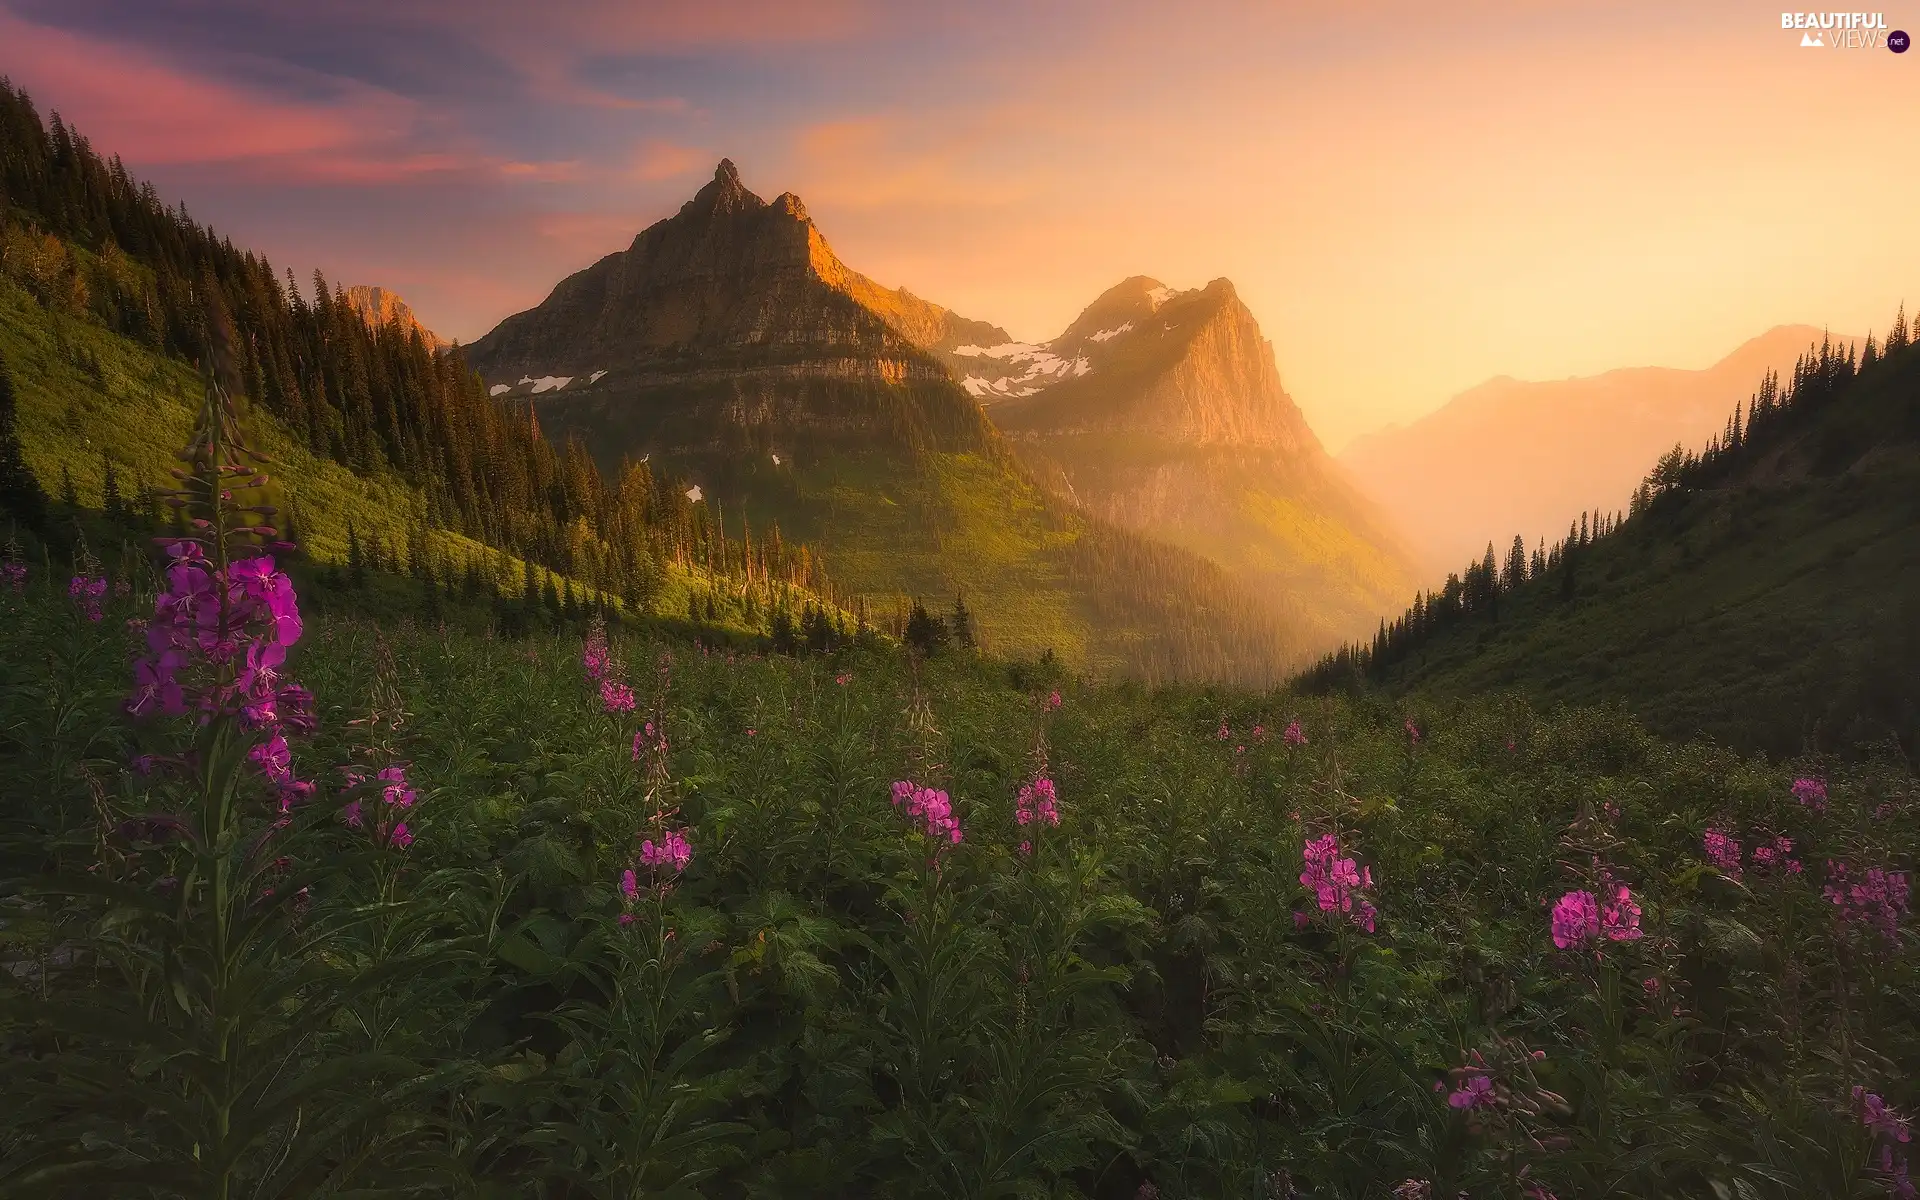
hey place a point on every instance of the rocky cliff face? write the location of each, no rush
(377, 306)
(1163, 411)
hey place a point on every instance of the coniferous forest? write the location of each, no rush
(546, 839)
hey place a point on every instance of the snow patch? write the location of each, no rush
(1081, 366)
(1011, 351)
(524, 379)
(693, 493)
(776, 460)
(1104, 334)
(1160, 295)
(976, 386)
(550, 383)
(595, 377)
(497, 388)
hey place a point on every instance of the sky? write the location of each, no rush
(1410, 197)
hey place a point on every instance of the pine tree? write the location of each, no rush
(925, 632)
(962, 622)
(69, 496)
(1516, 564)
(20, 495)
(110, 498)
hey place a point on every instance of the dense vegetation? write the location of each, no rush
(622, 916)
(1765, 590)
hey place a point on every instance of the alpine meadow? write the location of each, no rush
(658, 714)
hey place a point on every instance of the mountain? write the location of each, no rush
(1511, 457)
(1163, 412)
(1765, 592)
(730, 344)
(377, 306)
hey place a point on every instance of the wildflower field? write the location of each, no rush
(337, 907)
(619, 917)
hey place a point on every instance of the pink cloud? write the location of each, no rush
(154, 114)
(657, 160)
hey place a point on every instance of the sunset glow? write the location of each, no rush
(1410, 198)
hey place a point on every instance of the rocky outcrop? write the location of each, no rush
(377, 307)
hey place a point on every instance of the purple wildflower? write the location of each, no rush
(1878, 900)
(1811, 793)
(1723, 852)
(86, 591)
(1294, 737)
(1336, 882)
(931, 807)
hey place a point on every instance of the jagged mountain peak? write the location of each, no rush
(731, 280)
(724, 195)
(377, 306)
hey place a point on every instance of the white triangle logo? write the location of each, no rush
(1811, 39)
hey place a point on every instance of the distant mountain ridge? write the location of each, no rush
(1163, 411)
(1510, 456)
(377, 306)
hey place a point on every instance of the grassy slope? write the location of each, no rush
(140, 411)
(1770, 614)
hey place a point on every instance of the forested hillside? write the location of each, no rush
(102, 291)
(1764, 590)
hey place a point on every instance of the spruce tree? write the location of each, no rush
(925, 632)
(69, 496)
(110, 499)
(962, 622)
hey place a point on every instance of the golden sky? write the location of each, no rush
(1410, 197)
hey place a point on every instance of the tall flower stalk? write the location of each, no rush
(206, 966)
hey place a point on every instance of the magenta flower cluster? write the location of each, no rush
(671, 853)
(217, 640)
(1774, 856)
(1052, 702)
(616, 697)
(1579, 918)
(396, 798)
(216, 645)
(1293, 737)
(1035, 803)
(86, 592)
(595, 657)
(1890, 1129)
(14, 575)
(1811, 792)
(1723, 852)
(649, 740)
(1336, 882)
(930, 807)
(1877, 900)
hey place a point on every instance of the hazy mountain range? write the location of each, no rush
(1511, 456)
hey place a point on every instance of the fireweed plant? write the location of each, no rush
(695, 948)
(189, 1046)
